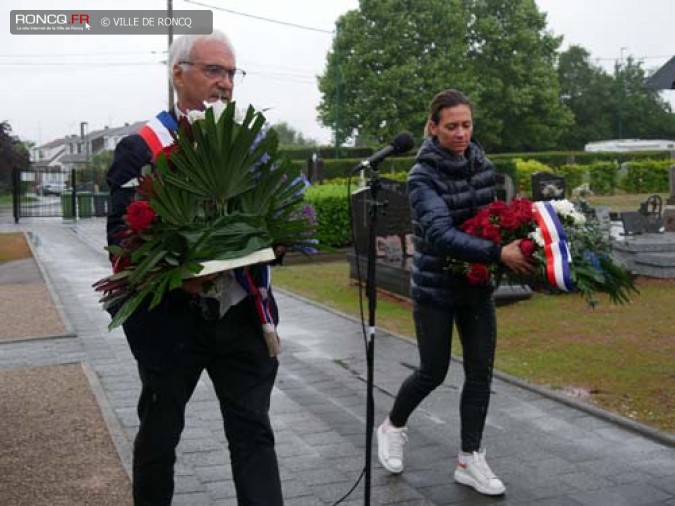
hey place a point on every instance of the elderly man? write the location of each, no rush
(189, 332)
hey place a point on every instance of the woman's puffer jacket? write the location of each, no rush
(444, 190)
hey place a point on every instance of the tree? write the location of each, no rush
(589, 93)
(387, 60)
(514, 60)
(389, 57)
(13, 155)
(289, 136)
(640, 112)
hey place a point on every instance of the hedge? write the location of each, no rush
(332, 214)
(325, 152)
(646, 176)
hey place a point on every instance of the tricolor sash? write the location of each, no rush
(158, 133)
(261, 299)
(556, 249)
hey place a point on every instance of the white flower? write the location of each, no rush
(195, 115)
(579, 219)
(563, 208)
(537, 237)
(218, 107)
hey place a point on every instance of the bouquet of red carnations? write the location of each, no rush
(570, 252)
(220, 197)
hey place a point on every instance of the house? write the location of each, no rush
(664, 78)
(98, 141)
(46, 165)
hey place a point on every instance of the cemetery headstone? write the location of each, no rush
(547, 186)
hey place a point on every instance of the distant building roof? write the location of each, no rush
(664, 78)
(52, 144)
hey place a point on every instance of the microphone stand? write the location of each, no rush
(371, 294)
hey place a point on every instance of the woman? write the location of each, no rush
(450, 180)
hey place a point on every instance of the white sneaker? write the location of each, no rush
(477, 474)
(390, 442)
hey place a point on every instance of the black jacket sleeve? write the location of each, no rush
(131, 154)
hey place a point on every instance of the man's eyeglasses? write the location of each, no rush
(213, 71)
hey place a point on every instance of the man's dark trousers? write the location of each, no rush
(173, 344)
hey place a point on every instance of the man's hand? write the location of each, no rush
(514, 259)
(195, 286)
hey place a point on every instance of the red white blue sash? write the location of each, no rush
(261, 299)
(158, 133)
(556, 249)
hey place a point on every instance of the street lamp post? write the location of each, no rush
(85, 139)
(622, 91)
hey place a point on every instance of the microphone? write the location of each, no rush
(402, 142)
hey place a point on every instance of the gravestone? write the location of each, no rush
(652, 209)
(633, 222)
(505, 189)
(669, 220)
(315, 169)
(392, 242)
(393, 221)
(671, 175)
(547, 186)
(601, 213)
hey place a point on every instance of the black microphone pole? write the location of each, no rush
(402, 142)
(371, 294)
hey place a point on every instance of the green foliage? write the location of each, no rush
(525, 169)
(646, 176)
(389, 57)
(603, 177)
(589, 93)
(325, 152)
(13, 155)
(574, 176)
(330, 202)
(223, 194)
(289, 136)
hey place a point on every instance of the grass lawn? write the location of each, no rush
(618, 357)
(622, 201)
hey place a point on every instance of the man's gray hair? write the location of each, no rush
(181, 48)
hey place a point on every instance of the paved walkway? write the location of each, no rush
(547, 452)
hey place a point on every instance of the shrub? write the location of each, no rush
(525, 169)
(646, 176)
(574, 176)
(332, 214)
(603, 177)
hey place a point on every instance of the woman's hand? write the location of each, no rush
(514, 259)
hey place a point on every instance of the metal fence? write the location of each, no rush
(39, 194)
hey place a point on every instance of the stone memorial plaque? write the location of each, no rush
(633, 222)
(547, 186)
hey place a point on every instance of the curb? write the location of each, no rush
(642, 429)
(117, 434)
(70, 330)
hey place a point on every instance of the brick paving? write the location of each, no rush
(546, 451)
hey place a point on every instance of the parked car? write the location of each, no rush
(51, 189)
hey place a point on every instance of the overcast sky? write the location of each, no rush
(51, 83)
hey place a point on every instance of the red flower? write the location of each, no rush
(491, 233)
(140, 215)
(527, 247)
(120, 263)
(478, 274)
